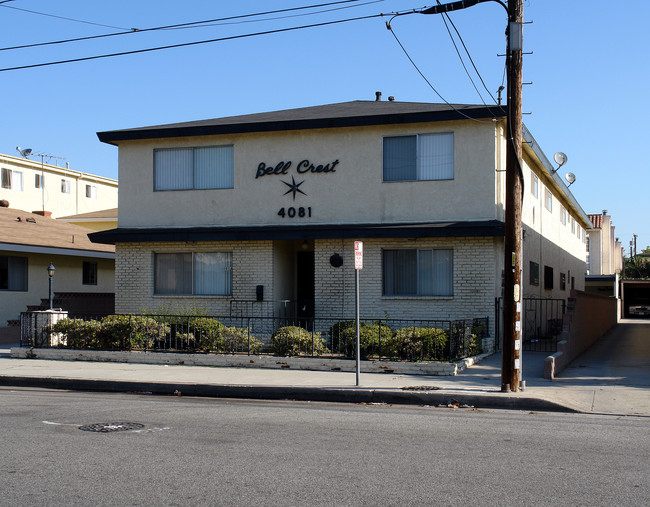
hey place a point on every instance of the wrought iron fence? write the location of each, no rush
(380, 339)
(541, 323)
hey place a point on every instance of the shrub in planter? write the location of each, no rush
(236, 339)
(296, 341)
(143, 332)
(419, 343)
(76, 333)
(209, 333)
(373, 338)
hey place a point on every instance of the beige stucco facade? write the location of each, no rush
(345, 188)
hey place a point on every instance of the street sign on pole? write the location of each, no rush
(358, 255)
(358, 266)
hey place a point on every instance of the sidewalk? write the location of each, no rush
(591, 384)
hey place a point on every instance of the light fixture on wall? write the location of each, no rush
(305, 244)
(336, 261)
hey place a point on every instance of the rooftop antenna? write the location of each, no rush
(560, 159)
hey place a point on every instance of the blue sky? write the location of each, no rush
(588, 70)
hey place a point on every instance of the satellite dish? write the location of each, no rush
(25, 152)
(560, 158)
(570, 177)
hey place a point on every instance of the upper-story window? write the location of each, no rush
(419, 157)
(12, 179)
(534, 188)
(548, 199)
(91, 191)
(39, 180)
(65, 186)
(194, 168)
(573, 225)
(563, 215)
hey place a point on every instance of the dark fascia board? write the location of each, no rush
(487, 228)
(221, 126)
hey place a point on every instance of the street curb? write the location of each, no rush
(299, 393)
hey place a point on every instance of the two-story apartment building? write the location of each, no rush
(267, 206)
(36, 186)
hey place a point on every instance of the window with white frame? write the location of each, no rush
(563, 215)
(65, 186)
(548, 199)
(193, 273)
(13, 273)
(573, 225)
(39, 180)
(418, 272)
(12, 180)
(194, 168)
(534, 188)
(91, 191)
(419, 157)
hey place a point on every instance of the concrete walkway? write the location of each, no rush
(613, 377)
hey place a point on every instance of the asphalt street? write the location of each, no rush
(235, 452)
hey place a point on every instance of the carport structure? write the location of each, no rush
(635, 293)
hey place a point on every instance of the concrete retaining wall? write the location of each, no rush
(294, 363)
(588, 317)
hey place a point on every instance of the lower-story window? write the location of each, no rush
(13, 273)
(418, 272)
(197, 273)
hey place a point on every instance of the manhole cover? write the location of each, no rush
(109, 427)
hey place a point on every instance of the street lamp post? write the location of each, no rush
(511, 362)
(50, 272)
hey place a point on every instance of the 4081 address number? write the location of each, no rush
(295, 212)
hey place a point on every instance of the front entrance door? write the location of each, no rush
(305, 284)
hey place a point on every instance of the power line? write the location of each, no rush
(390, 28)
(63, 17)
(186, 44)
(469, 56)
(191, 24)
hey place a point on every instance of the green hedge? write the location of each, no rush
(146, 333)
(419, 344)
(373, 338)
(296, 341)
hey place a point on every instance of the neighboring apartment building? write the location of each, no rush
(29, 243)
(268, 206)
(42, 188)
(604, 251)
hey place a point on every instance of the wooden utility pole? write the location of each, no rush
(511, 357)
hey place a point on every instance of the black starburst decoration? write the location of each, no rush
(294, 187)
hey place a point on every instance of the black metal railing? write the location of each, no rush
(380, 339)
(542, 320)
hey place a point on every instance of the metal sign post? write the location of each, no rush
(358, 266)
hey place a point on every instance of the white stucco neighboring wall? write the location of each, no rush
(50, 196)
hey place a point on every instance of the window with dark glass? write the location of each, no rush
(13, 273)
(534, 273)
(89, 276)
(418, 272)
(548, 277)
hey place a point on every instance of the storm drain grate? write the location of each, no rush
(110, 427)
